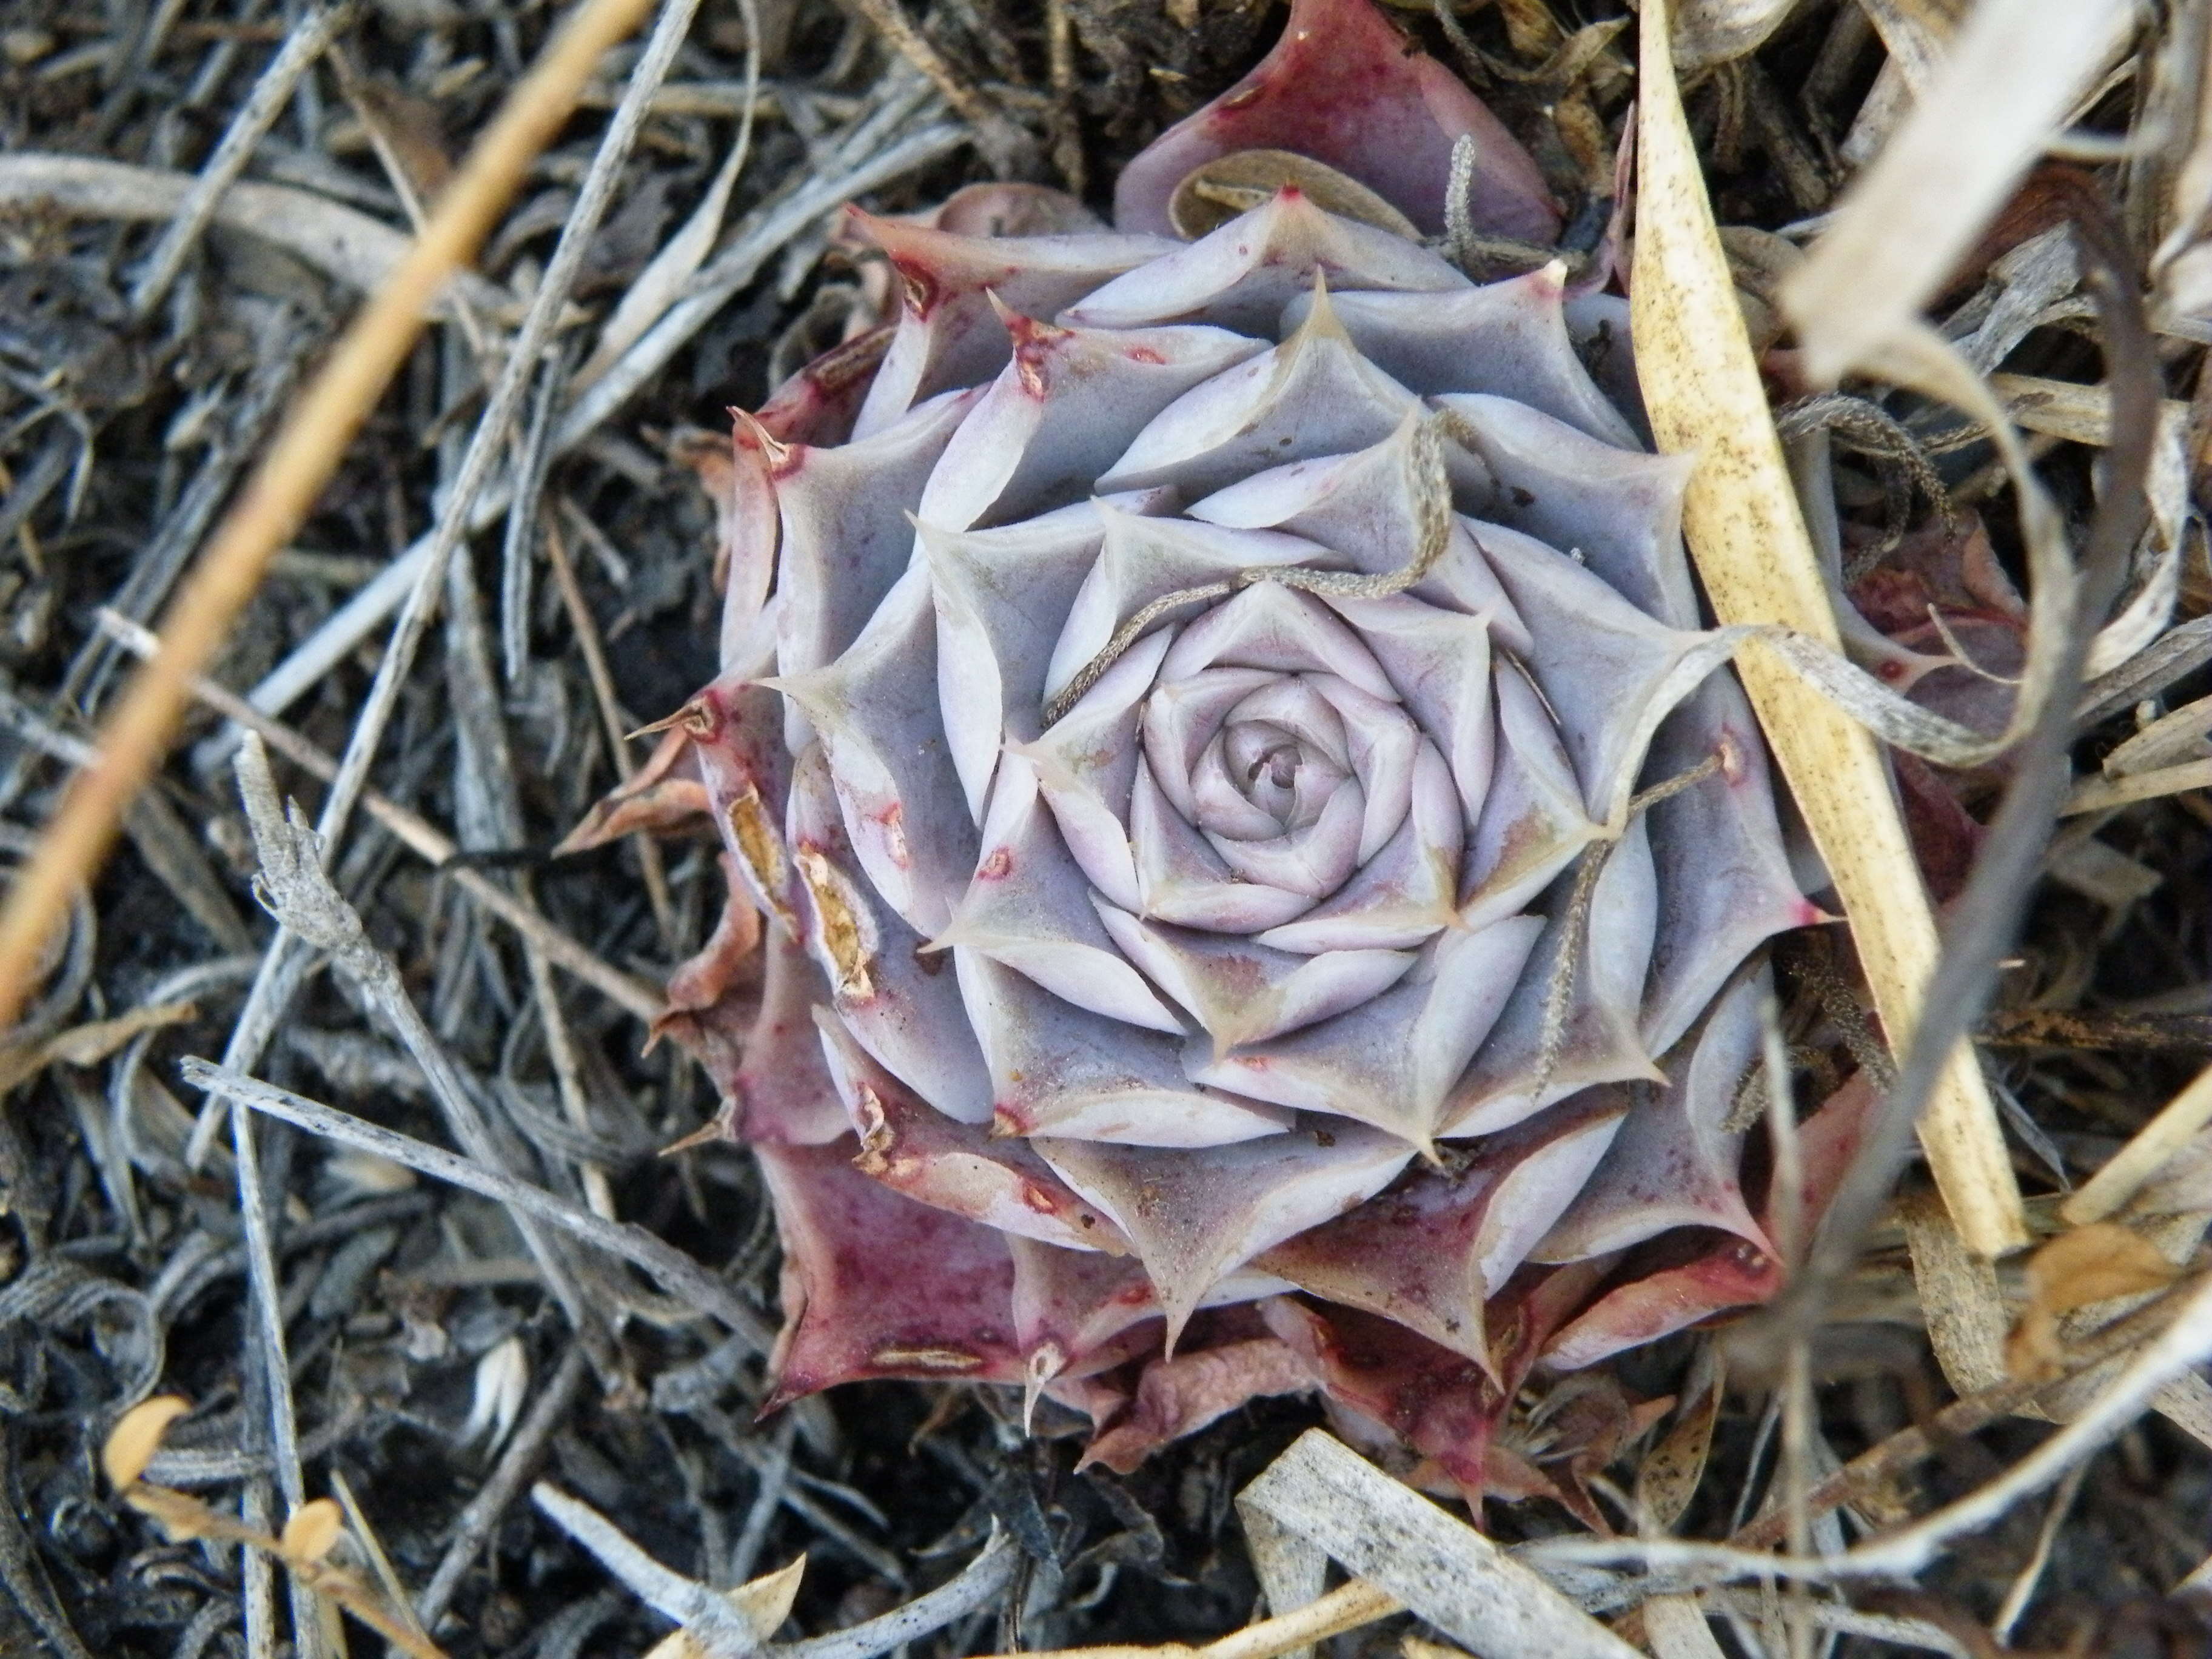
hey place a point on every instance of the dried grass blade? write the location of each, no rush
(2108, 1191)
(276, 499)
(1441, 1568)
(660, 285)
(1739, 513)
(2013, 73)
(2104, 794)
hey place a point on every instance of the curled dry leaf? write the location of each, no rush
(134, 1440)
(312, 1532)
(1669, 1474)
(2094, 1263)
(765, 1602)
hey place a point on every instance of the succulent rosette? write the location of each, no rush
(1260, 853)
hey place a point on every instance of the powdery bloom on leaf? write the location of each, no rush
(1184, 716)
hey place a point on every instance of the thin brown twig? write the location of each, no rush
(284, 488)
(586, 629)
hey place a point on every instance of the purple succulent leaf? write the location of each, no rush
(1290, 892)
(1181, 715)
(736, 730)
(1599, 1041)
(1146, 558)
(1725, 884)
(1672, 1163)
(1195, 1215)
(1382, 746)
(1029, 909)
(1241, 275)
(915, 1149)
(1358, 505)
(1390, 1063)
(1609, 671)
(949, 333)
(1060, 1070)
(1403, 895)
(1343, 87)
(1088, 761)
(875, 708)
(782, 1094)
(875, 1284)
(1001, 596)
(1063, 410)
(1420, 341)
(1179, 1395)
(1619, 510)
(1532, 824)
(1430, 1251)
(1279, 629)
(1389, 1385)
(1078, 1313)
(1312, 395)
(1438, 661)
(847, 539)
(1240, 991)
(1182, 879)
(1733, 1273)
(903, 1006)
(816, 406)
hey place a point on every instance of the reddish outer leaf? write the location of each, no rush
(876, 1285)
(1178, 1396)
(1343, 87)
(1666, 1292)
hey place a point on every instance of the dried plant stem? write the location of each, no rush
(297, 890)
(2105, 1193)
(677, 1274)
(2105, 794)
(1005, 146)
(1882, 1462)
(1347, 1606)
(276, 499)
(310, 37)
(490, 440)
(421, 837)
(476, 1522)
(594, 653)
(981, 1582)
(1742, 519)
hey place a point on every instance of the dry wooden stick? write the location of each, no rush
(276, 499)
(1702, 388)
